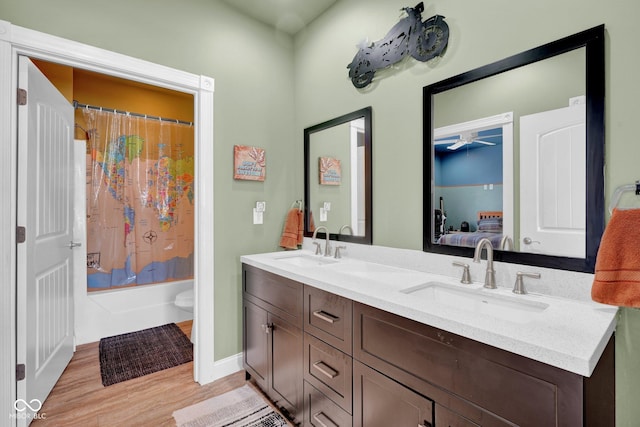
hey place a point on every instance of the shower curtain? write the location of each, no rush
(140, 212)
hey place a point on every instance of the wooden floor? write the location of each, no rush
(80, 399)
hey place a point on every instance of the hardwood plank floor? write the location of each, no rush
(80, 399)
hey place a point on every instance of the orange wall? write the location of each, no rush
(101, 90)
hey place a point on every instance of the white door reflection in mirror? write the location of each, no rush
(358, 212)
(552, 182)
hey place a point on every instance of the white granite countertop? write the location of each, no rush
(568, 334)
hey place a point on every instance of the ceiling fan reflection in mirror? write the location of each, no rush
(471, 138)
(489, 137)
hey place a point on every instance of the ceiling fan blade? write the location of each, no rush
(484, 142)
(457, 145)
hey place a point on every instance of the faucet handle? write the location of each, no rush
(318, 251)
(518, 287)
(337, 254)
(466, 276)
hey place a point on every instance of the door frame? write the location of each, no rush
(14, 41)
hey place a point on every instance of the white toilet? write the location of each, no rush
(184, 301)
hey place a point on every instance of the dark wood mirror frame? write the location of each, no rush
(593, 41)
(362, 113)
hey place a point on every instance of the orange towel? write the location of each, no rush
(291, 234)
(617, 276)
(300, 227)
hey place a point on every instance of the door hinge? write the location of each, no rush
(20, 372)
(21, 234)
(22, 97)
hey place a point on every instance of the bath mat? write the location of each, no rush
(242, 407)
(132, 355)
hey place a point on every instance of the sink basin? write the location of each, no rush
(306, 260)
(478, 301)
(381, 273)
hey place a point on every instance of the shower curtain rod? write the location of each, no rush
(76, 104)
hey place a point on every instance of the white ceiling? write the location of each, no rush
(289, 16)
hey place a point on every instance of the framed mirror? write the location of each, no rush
(514, 151)
(337, 177)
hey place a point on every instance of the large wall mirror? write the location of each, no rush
(514, 151)
(337, 177)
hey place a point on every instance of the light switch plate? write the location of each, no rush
(258, 217)
(323, 215)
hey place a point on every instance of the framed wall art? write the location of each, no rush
(249, 163)
(330, 171)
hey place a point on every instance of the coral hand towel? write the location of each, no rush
(617, 276)
(292, 229)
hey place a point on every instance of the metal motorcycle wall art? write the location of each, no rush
(409, 37)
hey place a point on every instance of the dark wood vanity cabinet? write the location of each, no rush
(329, 361)
(272, 337)
(477, 384)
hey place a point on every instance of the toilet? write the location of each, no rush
(184, 301)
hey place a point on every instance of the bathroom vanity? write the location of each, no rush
(354, 343)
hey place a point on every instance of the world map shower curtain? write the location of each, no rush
(140, 196)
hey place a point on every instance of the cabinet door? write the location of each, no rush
(447, 418)
(381, 402)
(256, 343)
(286, 366)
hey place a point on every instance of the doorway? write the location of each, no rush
(16, 41)
(111, 302)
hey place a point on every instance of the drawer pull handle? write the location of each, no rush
(325, 369)
(323, 420)
(325, 316)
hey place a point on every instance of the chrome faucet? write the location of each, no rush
(327, 247)
(345, 227)
(490, 276)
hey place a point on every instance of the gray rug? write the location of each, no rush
(242, 407)
(132, 355)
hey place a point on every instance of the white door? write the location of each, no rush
(553, 182)
(45, 206)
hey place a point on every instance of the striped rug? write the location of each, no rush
(242, 407)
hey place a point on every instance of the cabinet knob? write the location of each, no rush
(425, 424)
(267, 328)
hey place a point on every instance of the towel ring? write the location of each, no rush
(620, 191)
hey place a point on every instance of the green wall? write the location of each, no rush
(270, 87)
(481, 33)
(253, 105)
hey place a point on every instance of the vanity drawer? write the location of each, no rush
(329, 370)
(320, 411)
(328, 317)
(276, 294)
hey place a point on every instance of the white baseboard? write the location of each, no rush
(228, 366)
